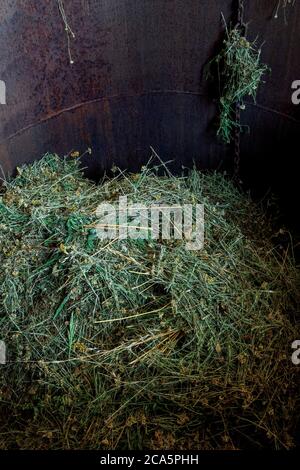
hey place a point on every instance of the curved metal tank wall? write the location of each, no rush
(137, 81)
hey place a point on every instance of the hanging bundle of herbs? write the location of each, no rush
(239, 72)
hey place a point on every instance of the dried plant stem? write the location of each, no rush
(69, 32)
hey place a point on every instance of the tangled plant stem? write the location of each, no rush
(69, 32)
(283, 4)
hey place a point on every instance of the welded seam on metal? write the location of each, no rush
(98, 100)
(153, 92)
(274, 111)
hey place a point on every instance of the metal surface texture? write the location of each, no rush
(137, 81)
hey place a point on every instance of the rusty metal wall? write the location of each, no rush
(270, 152)
(137, 81)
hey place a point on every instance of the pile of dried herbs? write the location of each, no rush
(138, 343)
